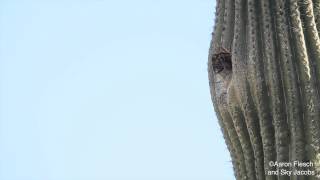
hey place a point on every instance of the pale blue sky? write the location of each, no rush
(108, 90)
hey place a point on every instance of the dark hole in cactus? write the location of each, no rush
(222, 61)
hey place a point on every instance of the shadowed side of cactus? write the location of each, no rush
(264, 76)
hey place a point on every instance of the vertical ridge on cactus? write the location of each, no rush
(264, 76)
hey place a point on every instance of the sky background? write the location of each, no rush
(108, 90)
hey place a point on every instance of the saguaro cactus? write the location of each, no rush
(264, 73)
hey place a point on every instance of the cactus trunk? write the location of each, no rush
(264, 76)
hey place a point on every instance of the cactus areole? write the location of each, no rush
(264, 74)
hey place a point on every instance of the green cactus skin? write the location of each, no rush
(268, 103)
